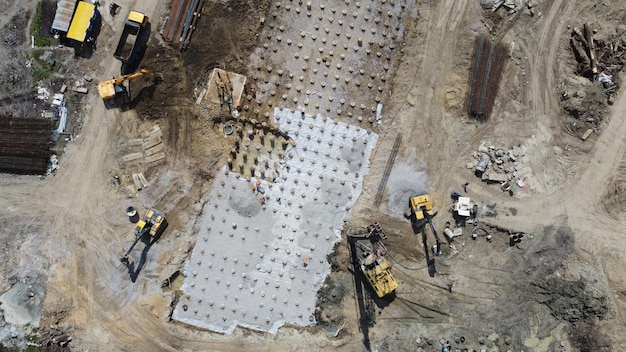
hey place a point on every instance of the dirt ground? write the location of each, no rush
(562, 288)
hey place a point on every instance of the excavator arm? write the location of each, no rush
(429, 218)
(124, 258)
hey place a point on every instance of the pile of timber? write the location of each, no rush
(54, 339)
(152, 148)
(181, 22)
(25, 145)
(596, 56)
(489, 60)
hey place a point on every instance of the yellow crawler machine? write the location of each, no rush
(421, 213)
(115, 87)
(374, 266)
(378, 274)
(153, 224)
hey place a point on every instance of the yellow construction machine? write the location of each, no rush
(373, 265)
(153, 224)
(115, 88)
(421, 213)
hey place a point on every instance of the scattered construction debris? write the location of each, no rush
(489, 60)
(498, 165)
(599, 60)
(54, 339)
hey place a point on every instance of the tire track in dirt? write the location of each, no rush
(542, 96)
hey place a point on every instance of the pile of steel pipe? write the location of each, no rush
(489, 61)
(25, 145)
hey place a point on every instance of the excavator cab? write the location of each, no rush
(421, 206)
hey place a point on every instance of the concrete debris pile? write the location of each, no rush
(498, 165)
(10, 39)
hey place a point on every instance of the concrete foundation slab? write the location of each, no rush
(260, 255)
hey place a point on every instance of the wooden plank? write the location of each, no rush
(156, 157)
(587, 134)
(135, 142)
(143, 180)
(152, 130)
(132, 156)
(151, 142)
(157, 148)
(137, 182)
(158, 133)
(201, 96)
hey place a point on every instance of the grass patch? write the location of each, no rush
(35, 27)
(41, 69)
(42, 72)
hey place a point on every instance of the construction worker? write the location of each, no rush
(305, 262)
(262, 200)
(255, 186)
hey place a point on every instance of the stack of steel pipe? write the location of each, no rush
(182, 21)
(489, 61)
(25, 145)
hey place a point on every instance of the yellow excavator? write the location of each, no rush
(422, 212)
(152, 224)
(115, 88)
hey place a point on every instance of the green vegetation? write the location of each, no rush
(42, 69)
(35, 27)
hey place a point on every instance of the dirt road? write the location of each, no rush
(77, 228)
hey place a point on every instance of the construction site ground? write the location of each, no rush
(562, 288)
